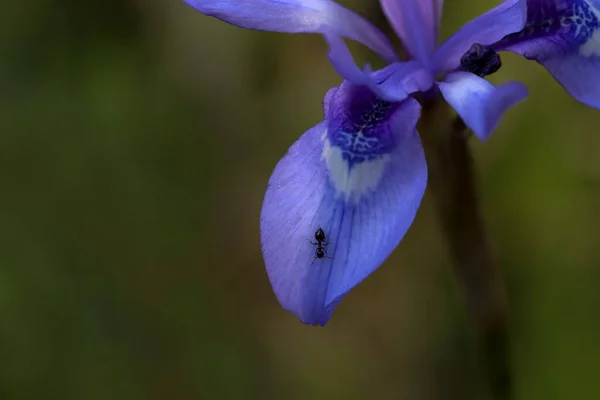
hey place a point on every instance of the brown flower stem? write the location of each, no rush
(453, 185)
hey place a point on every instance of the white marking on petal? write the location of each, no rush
(356, 181)
(592, 46)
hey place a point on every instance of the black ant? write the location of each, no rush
(320, 251)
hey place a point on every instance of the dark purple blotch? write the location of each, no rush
(359, 124)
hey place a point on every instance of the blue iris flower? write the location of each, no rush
(346, 192)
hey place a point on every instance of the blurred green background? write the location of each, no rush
(137, 138)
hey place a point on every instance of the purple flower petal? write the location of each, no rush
(298, 16)
(344, 64)
(563, 36)
(487, 29)
(478, 102)
(393, 83)
(416, 22)
(360, 176)
(408, 77)
(579, 75)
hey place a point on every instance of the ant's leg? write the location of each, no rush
(313, 261)
(312, 242)
(325, 251)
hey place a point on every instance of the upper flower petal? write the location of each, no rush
(392, 83)
(416, 22)
(344, 64)
(360, 176)
(563, 36)
(478, 102)
(407, 77)
(486, 29)
(298, 16)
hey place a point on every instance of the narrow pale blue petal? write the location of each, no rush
(361, 183)
(392, 83)
(416, 22)
(344, 64)
(507, 18)
(298, 16)
(564, 37)
(478, 102)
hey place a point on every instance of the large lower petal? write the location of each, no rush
(416, 22)
(478, 102)
(564, 37)
(360, 177)
(487, 29)
(298, 16)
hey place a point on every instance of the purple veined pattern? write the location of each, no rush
(359, 137)
(570, 25)
(564, 37)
